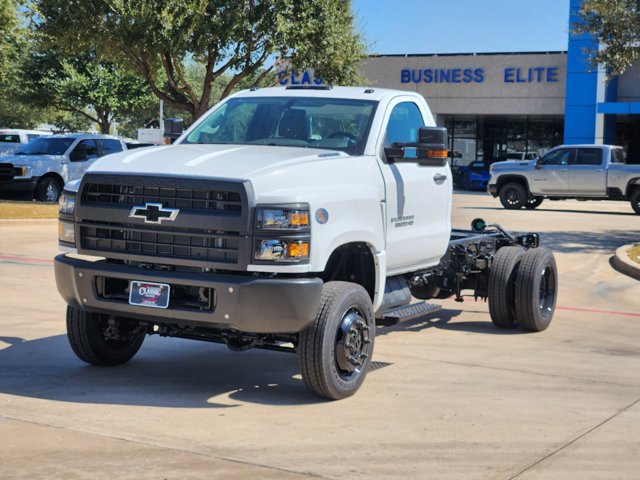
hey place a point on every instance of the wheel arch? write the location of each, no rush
(504, 179)
(632, 186)
(54, 175)
(354, 262)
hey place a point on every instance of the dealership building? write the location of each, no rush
(523, 102)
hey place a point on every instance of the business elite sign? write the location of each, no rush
(478, 75)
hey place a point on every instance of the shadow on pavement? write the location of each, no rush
(443, 320)
(631, 213)
(165, 373)
(583, 242)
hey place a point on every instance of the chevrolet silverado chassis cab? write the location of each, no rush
(294, 219)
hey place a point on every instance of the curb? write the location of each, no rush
(623, 264)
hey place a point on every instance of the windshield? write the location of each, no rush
(334, 124)
(46, 146)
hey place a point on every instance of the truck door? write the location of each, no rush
(551, 176)
(418, 198)
(587, 175)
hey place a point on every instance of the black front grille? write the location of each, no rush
(170, 197)
(7, 171)
(159, 241)
(211, 227)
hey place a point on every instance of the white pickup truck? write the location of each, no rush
(294, 219)
(585, 172)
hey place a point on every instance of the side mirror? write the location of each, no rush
(78, 155)
(173, 128)
(430, 149)
(538, 164)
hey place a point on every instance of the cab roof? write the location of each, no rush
(326, 91)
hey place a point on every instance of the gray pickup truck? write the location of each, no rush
(583, 172)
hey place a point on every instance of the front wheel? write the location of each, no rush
(635, 200)
(100, 340)
(48, 190)
(536, 289)
(335, 350)
(513, 196)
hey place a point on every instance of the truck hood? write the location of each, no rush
(513, 165)
(31, 160)
(238, 162)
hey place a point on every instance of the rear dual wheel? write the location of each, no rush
(523, 288)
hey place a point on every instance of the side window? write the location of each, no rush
(85, 150)
(617, 155)
(558, 157)
(589, 156)
(403, 123)
(110, 146)
(31, 136)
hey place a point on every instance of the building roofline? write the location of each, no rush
(471, 54)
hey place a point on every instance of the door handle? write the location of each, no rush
(564, 169)
(439, 178)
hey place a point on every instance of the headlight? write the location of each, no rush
(282, 250)
(21, 171)
(66, 232)
(282, 218)
(67, 203)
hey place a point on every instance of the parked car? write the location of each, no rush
(11, 139)
(521, 156)
(46, 164)
(475, 176)
(585, 172)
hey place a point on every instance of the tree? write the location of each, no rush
(85, 86)
(616, 25)
(236, 41)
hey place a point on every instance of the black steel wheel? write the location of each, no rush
(536, 289)
(98, 340)
(502, 285)
(513, 196)
(336, 349)
(635, 200)
(533, 202)
(48, 190)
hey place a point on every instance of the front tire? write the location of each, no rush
(336, 349)
(635, 200)
(501, 290)
(513, 196)
(94, 340)
(48, 190)
(536, 289)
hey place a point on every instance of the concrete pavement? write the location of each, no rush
(450, 397)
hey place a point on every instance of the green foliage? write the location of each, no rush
(616, 24)
(99, 91)
(192, 53)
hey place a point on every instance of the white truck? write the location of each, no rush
(294, 219)
(583, 172)
(13, 138)
(42, 167)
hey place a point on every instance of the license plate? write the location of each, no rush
(147, 294)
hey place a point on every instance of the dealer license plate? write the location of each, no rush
(147, 294)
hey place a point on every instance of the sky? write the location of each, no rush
(462, 26)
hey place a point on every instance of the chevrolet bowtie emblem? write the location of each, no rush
(154, 213)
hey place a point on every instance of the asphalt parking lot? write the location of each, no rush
(450, 397)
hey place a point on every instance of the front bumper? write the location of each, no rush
(243, 303)
(492, 189)
(27, 185)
